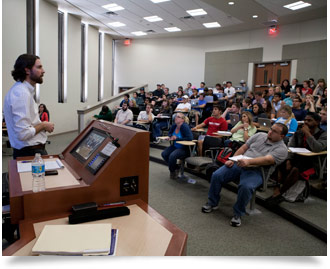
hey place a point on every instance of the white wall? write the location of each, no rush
(176, 61)
(64, 115)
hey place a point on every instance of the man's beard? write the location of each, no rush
(124, 109)
(36, 79)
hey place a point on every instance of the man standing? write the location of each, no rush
(27, 134)
(125, 115)
(263, 149)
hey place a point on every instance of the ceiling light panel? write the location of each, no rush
(297, 5)
(159, 1)
(231, 3)
(117, 24)
(172, 29)
(113, 7)
(196, 12)
(139, 33)
(212, 25)
(153, 18)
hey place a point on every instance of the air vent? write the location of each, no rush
(187, 18)
(111, 13)
(150, 31)
(270, 23)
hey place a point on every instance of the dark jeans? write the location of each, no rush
(27, 152)
(157, 128)
(171, 154)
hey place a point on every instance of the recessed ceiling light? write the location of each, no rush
(255, 16)
(173, 29)
(113, 7)
(212, 24)
(159, 1)
(116, 24)
(196, 12)
(231, 3)
(139, 33)
(153, 18)
(297, 5)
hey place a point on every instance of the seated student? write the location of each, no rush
(43, 113)
(201, 87)
(214, 123)
(279, 90)
(269, 110)
(105, 114)
(277, 103)
(258, 112)
(197, 110)
(320, 87)
(142, 94)
(134, 97)
(159, 122)
(126, 99)
(306, 88)
(194, 94)
(286, 117)
(309, 103)
(221, 97)
(266, 150)
(322, 100)
(158, 92)
(233, 109)
(179, 96)
(124, 116)
(145, 118)
(313, 138)
(258, 98)
(215, 97)
(323, 114)
(246, 105)
(289, 99)
(167, 92)
(179, 131)
(242, 131)
(285, 87)
(230, 91)
(133, 107)
(270, 94)
(298, 112)
(300, 94)
(250, 95)
(188, 91)
(184, 106)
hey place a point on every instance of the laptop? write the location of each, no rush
(265, 123)
(208, 99)
(220, 94)
(194, 102)
(234, 119)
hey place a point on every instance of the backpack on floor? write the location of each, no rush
(298, 192)
(224, 155)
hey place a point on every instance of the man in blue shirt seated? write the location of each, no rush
(263, 149)
(323, 114)
(179, 131)
(298, 112)
(197, 110)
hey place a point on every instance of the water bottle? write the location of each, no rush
(38, 173)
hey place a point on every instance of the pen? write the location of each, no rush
(26, 161)
(113, 204)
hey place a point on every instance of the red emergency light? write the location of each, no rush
(127, 42)
(273, 30)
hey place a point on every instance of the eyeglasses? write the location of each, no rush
(180, 117)
(323, 114)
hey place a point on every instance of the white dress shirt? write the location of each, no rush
(182, 106)
(21, 114)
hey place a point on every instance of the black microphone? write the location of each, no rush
(76, 218)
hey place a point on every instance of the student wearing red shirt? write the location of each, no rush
(214, 123)
(306, 90)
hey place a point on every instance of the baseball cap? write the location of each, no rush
(185, 96)
(242, 81)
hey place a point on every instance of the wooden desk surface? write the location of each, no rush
(309, 154)
(186, 143)
(140, 234)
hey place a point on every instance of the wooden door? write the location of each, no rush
(267, 74)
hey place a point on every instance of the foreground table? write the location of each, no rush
(142, 233)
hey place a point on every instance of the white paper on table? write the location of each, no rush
(239, 157)
(299, 150)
